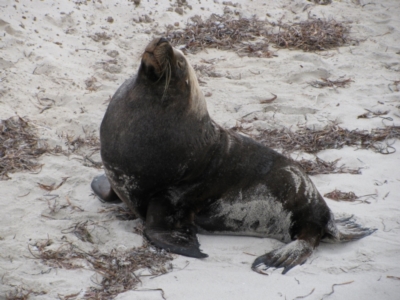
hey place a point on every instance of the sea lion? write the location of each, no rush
(182, 173)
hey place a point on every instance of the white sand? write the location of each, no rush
(42, 55)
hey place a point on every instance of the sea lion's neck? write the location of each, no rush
(176, 100)
(197, 103)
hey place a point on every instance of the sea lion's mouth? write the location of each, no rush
(157, 57)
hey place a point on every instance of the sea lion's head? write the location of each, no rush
(167, 67)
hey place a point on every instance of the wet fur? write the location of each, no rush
(181, 172)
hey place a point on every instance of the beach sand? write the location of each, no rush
(61, 61)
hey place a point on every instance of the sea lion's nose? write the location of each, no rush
(162, 40)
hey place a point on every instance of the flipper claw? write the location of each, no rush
(287, 257)
(165, 229)
(181, 241)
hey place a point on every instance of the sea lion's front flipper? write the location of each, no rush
(164, 233)
(102, 188)
(287, 257)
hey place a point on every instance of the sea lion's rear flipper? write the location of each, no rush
(287, 257)
(163, 233)
(345, 230)
(102, 188)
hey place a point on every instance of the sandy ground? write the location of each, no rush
(48, 49)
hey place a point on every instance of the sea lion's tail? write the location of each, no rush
(345, 230)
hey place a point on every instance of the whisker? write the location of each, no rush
(167, 79)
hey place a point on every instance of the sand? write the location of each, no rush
(48, 49)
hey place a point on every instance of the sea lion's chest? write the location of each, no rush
(155, 146)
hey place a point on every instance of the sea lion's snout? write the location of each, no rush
(162, 40)
(157, 56)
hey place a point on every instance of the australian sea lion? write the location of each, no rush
(182, 173)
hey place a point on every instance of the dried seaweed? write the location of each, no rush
(331, 136)
(333, 288)
(251, 37)
(54, 205)
(313, 34)
(100, 36)
(270, 100)
(120, 212)
(325, 82)
(81, 231)
(319, 166)
(305, 296)
(206, 70)
(21, 293)
(341, 196)
(244, 36)
(394, 86)
(20, 147)
(321, 2)
(76, 143)
(115, 271)
(338, 195)
(52, 186)
(92, 84)
(372, 114)
(84, 146)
